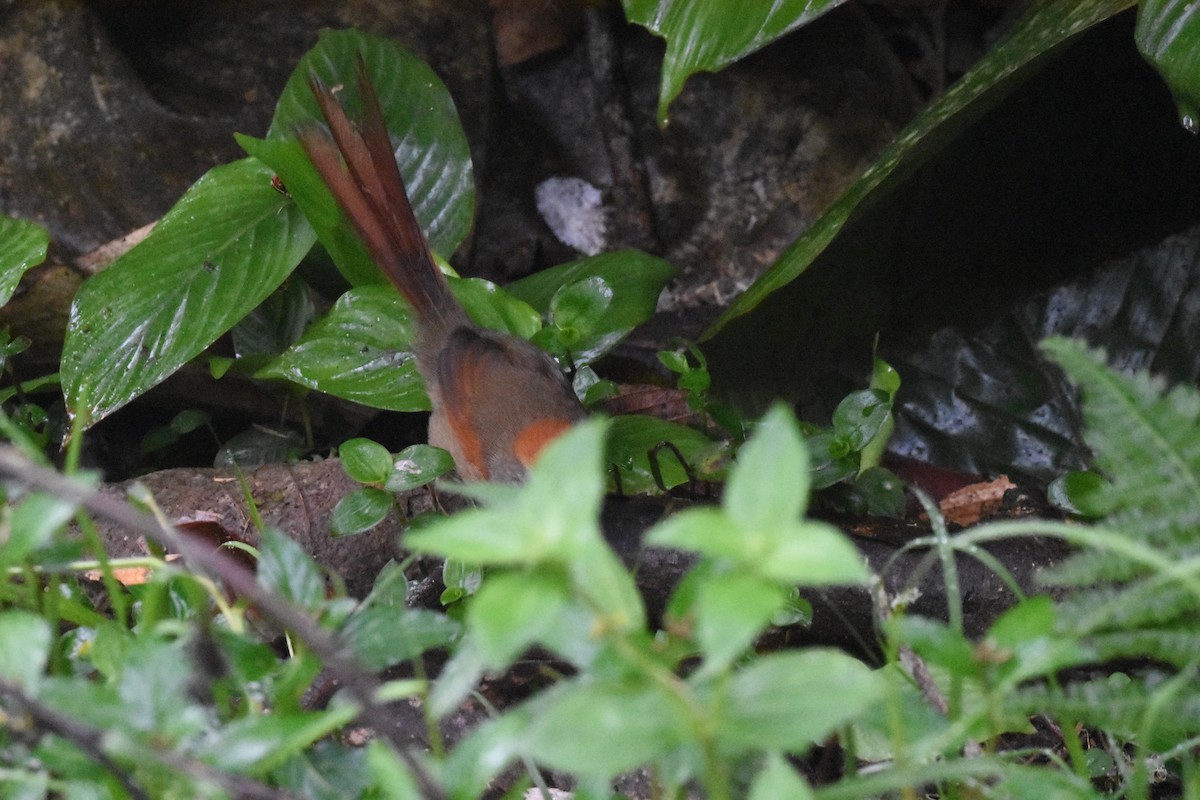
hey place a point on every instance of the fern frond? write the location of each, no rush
(1122, 706)
(1146, 440)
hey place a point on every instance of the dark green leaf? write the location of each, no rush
(576, 307)
(24, 647)
(284, 567)
(1168, 35)
(860, 415)
(788, 701)
(392, 779)
(635, 279)
(433, 154)
(153, 688)
(360, 351)
(382, 636)
(259, 742)
(417, 465)
(365, 461)
(260, 445)
(227, 244)
(360, 511)
(22, 247)
(705, 37)
(276, 323)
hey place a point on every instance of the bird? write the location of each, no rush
(497, 400)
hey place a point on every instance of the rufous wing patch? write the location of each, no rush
(536, 435)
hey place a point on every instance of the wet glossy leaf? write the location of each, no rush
(365, 461)
(277, 322)
(226, 245)
(432, 150)
(360, 511)
(1168, 35)
(360, 351)
(416, 466)
(492, 307)
(706, 36)
(635, 278)
(22, 247)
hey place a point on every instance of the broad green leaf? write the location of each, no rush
(24, 648)
(360, 510)
(277, 322)
(417, 465)
(707, 35)
(226, 245)
(22, 247)
(360, 351)
(391, 778)
(769, 484)
(731, 609)
(432, 150)
(778, 781)
(788, 701)
(285, 568)
(365, 461)
(1081, 492)
(512, 611)
(32, 525)
(260, 742)
(635, 279)
(382, 636)
(636, 445)
(601, 577)
(1168, 36)
(153, 688)
(576, 307)
(860, 416)
(492, 307)
(601, 728)
(1047, 26)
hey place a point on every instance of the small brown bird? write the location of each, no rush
(497, 399)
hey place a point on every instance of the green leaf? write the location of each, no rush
(285, 568)
(492, 307)
(707, 36)
(513, 611)
(360, 510)
(391, 778)
(365, 461)
(382, 636)
(778, 781)
(226, 245)
(360, 351)
(787, 701)
(32, 525)
(1048, 25)
(1168, 36)
(731, 609)
(260, 742)
(936, 642)
(635, 447)
(576, 306)
(153, 688)
(635, 279)
(601, 728)
(860, 415)
(22, 247)
(769, 483)
(277, 322)
(1081, 492)
(24, 648)
(417, 465)
(433, 154)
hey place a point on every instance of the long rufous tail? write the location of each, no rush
(371, 192)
